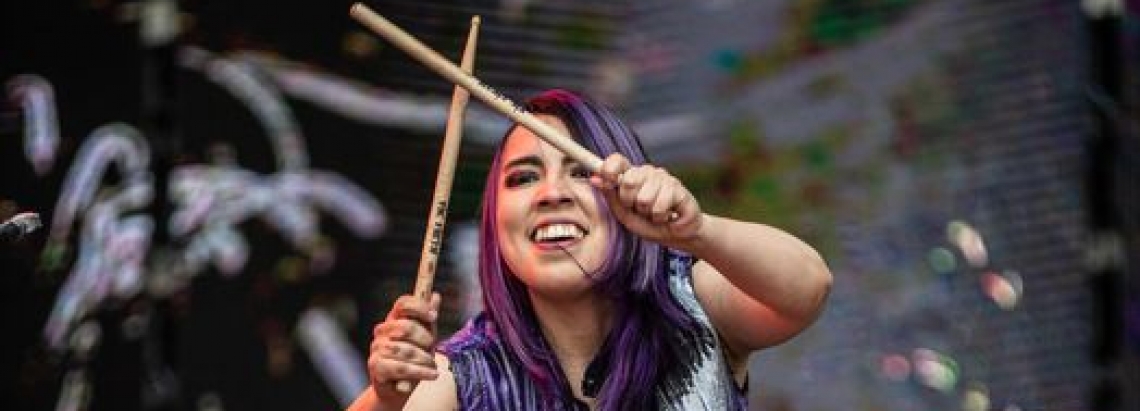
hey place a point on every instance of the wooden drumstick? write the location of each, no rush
(441, 196)
(447, 69)
(433, 235)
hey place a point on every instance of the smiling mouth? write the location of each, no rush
(558, 233)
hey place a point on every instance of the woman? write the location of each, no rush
(608, 291)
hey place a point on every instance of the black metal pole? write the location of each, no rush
(1106, 243)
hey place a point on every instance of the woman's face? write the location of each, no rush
(550, 230)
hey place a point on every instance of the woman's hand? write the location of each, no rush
(401, 353)
(650, 202)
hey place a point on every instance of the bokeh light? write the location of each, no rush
(969, 243)
(941, 260)
(1004, 289)
(894, 367)
(935, 370)
(976, 398)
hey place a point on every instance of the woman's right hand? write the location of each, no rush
(401, 354)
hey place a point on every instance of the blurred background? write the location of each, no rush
(234, 192)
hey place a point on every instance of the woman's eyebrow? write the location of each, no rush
(528, 160)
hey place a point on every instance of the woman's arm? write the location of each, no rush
(759, 285)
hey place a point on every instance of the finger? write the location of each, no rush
(647, 195)
(411, 307)
(377, 346)
(629, 184)
(398, 306)
(413, 332)
(385, 372)
(391, 371)
(613, 166)
(686, 213)
(663, 209)
(687, 206)
(403, 351)
(621, 212)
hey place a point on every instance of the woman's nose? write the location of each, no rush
(554, 192)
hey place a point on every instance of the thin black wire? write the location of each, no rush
(576, 262)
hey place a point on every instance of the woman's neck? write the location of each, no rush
(575, 330)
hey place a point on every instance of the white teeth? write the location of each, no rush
(558, 232)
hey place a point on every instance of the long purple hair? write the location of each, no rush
(652, 334)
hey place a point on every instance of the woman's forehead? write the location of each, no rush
(523, 142)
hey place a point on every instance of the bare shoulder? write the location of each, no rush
(438, 394)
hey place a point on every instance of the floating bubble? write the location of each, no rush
(969, 242)
(934, 369)
(894, 367)
(941, 260)
(1004, 289)
(976, 399)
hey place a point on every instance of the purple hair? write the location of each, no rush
(650, 328)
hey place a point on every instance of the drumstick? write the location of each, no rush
(445, 68)
(433, 235)
(437, 215)
(441, 65)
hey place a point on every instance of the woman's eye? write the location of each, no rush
(580, 172)
(518, 178)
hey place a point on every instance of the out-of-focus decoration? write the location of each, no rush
(935, 370)
(895, 367)
(1004, 288)
(210, 201)
(360, 44)
(358, 101)
(513, 10)
(942, 260)
(41, 130)
(969, 243)
(612, 81)
(75, 391)
(976, 398)
(463, 251)
(333, 355)
(159, 21)
(113, 242)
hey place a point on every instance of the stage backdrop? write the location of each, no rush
(236, 191)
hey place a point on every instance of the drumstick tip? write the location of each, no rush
(356, 8)
(475, 20)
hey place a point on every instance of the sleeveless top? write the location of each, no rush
(487, 374)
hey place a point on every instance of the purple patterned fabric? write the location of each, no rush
(490, 378)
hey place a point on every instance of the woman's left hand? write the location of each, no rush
(649, 201)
